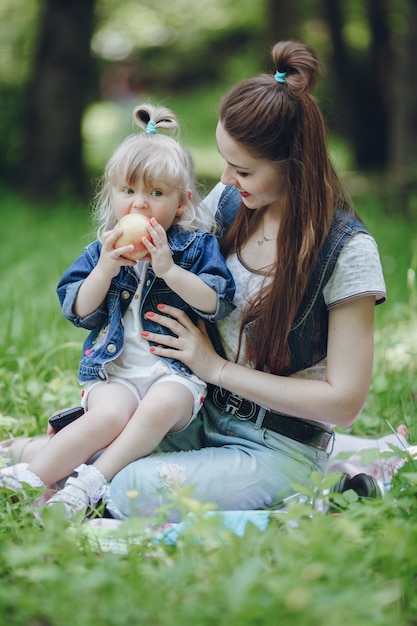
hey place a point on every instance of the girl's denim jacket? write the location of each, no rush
(196, 251)
(308, 335)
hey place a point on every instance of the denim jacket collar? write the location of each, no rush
(180, 239)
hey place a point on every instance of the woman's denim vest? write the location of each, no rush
(308, 336)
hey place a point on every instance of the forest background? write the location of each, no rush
(69, 70)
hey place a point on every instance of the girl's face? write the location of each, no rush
(259, 181)
(161, 201)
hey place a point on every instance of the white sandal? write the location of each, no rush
(74, 497)
(24, 483)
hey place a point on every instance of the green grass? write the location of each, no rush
(357, 569)
(394, 388)
(39, 349)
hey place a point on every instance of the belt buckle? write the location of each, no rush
(233, 405)
(236, 405)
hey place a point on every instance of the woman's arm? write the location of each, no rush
(337, 400)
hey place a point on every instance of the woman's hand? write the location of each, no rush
(336, 400)
(191, 345)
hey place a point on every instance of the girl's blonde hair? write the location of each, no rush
(153, 157)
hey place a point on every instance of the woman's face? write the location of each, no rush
(259, 181)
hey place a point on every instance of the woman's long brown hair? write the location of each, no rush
(282, 122)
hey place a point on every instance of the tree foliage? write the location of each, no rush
(71, 50)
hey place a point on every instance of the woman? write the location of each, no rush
(297, 351)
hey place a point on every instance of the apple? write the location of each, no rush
(133, 226)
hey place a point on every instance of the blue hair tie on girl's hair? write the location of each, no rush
(280, 76)
(151, 128)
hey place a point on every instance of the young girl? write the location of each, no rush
(133, 398)
(298, 348)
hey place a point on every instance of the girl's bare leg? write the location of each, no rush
(23, 449)
(110, 407)
(166, 407)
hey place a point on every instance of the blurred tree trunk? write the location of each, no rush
(57, 95)
(282, 20)
(363, 82)
(403, 139)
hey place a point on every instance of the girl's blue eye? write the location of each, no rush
(157, 193)
(128, 191)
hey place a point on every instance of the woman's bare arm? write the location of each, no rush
(337, 400)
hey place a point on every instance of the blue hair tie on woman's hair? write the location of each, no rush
(280, 76)
(151, 128)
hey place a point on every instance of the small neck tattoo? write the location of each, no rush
(262, 241)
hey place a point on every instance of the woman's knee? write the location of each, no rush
(130, 489)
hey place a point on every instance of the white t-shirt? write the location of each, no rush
(135, 360)
(357, 273)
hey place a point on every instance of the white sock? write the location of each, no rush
(94, 481)
(29, 477)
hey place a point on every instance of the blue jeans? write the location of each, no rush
(231, 463)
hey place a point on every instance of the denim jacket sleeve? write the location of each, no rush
(70, 283)
(211, 267)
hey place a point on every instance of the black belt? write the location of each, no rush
(300, 430)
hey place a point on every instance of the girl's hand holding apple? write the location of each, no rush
(111, 259)
(157, 246)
